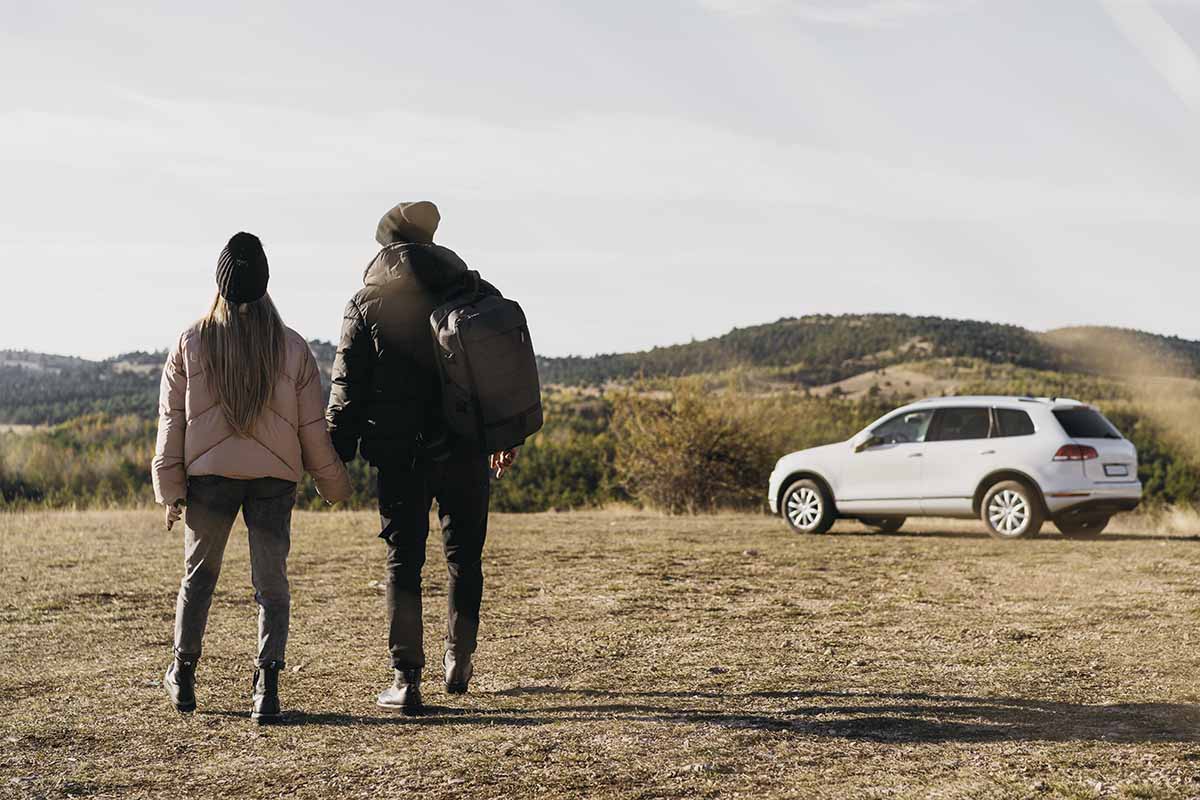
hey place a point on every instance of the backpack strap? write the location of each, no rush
(469, 284)
(473, 281)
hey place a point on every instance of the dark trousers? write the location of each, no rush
(461, 486)
(213, 503)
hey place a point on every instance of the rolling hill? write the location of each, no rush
(821, 350)
(817, 352)
(41, 389)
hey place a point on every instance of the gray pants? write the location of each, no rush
(213, 503)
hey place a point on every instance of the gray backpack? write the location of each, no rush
(489, 378)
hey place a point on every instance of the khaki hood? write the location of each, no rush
(415, 266)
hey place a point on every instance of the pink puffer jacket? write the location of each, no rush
(289, 438)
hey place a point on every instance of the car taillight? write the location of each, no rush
(1076, 452)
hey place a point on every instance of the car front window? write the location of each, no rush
(910, 426)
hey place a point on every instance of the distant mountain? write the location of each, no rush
(36, 388)
(42, 389)
(823, 349)
(813, 351)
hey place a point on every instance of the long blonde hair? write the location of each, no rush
(242, 351)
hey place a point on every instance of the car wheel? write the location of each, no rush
(1081, 528)
(884, 524)
(1011, 510)
(807, 507)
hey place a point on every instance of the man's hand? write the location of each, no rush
(502, 461)
(174, 512)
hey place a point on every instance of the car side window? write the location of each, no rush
(909, 427)
(958, 424)
(1013, 422)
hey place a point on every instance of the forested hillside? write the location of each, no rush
(39, 389)
(817, 350)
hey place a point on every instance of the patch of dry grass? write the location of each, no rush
(623, 655)
(900, 379)
(21, 430)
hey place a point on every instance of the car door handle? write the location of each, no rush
(915, 455)
(987, 452)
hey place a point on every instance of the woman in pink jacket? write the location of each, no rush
(241, 418)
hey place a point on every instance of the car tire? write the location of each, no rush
(1082, 528)
(884, 524)
(1012, 510)
(807, 507)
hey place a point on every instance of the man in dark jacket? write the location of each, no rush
(386, 396)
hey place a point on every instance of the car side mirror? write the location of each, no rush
(866, 442)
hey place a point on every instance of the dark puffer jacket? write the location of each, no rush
(385, 382)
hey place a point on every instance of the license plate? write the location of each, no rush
(1116, 470)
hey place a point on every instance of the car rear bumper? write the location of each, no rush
(1095, 502)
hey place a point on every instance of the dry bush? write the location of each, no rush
(688, 452)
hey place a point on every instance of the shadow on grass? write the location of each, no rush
(1048, 533)
(431, 715)
(903, 717)
(912, 716)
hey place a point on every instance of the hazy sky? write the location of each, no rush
(635, 173)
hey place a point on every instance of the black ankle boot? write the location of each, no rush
(180, 682)
(459, 668)
(266, 694)
(404, 695)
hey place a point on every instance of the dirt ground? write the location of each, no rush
(622, 655)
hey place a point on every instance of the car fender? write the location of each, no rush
(993, 476)
(818, 463)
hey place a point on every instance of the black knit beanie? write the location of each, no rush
(242, 269)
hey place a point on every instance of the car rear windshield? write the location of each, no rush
(1085, 423)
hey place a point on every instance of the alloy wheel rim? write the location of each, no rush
(804, 507)
(1008, 512)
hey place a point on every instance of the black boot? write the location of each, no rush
(404, 695)
(459, 668)
(180, 682)
(266, 694)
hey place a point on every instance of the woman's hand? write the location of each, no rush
(502, 461)
(174, 512)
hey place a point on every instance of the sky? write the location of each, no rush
(634, 173)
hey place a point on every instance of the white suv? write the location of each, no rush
(1012, 461)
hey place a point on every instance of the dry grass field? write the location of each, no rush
(623, 655)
